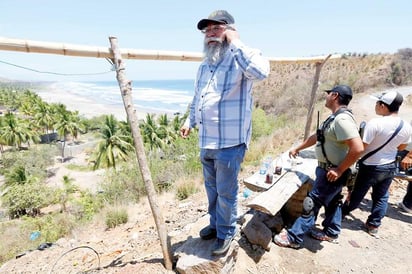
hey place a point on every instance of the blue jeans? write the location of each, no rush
(379, 178)
(323, 193)
(407, 200)
(220, 170)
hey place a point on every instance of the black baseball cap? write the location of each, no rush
(342, 90)
(216, 17)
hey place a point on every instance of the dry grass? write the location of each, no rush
(287, 89)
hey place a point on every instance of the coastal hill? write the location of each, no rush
(134, 247)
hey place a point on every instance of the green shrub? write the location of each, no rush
(185, 154)
(15, 234)
(186, 189)
(52, 227)
(123, 184)
(87, 206)
(262, 123)
(116, 217)
(26, 199)
(34, 161)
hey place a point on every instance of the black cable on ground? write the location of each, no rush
(78, 247)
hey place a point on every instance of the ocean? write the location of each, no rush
(152, 96)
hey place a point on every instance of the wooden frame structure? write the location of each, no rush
(32, 46)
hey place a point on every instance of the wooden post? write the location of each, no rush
(126, 92)
(315, 85)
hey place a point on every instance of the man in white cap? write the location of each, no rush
(383, 137)
(222, 109)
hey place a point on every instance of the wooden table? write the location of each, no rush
(283, 186)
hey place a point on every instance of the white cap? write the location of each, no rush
(391, 98)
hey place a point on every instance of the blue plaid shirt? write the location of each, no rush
(222, 104)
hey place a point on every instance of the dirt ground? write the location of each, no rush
(134, 247)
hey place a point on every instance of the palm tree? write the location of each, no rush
(169, 134)
(151, 132)
(28, 103)
(20, 176)
(177, 123)
(44, 116)
(67, 123)
(15, 131)
(116, 144)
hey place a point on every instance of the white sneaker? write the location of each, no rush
(404, 208)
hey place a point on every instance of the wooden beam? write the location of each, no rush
(315, 86)
(31, 46)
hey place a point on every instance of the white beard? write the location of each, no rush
(214, 52)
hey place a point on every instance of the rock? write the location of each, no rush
(256, 231)
(195, 255)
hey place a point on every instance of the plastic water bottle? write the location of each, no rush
(293, 164)
(262, 169)
(246, 192)
(265, 165)
(34, 235)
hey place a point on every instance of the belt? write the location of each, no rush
(323, 165)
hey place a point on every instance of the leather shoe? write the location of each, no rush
(208, 233)
(221, 246)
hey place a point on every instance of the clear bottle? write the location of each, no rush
(266, 165)
(293, 164)
(263, 168)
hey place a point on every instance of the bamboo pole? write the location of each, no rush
(315, 86)
(30, 46)
(126, 92)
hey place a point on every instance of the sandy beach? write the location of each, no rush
(87, 107)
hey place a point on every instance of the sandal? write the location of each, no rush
(282, 240)
(322, 236)
(372, 230)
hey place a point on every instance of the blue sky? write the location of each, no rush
(279, 28)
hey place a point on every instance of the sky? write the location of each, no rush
(278, 28)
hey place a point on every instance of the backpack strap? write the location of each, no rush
(384, 144)
(325, 124)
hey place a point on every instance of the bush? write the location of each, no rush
(262, 123)
(87, 206)
(26, 199)
(185, 153)
(116, 217)
(402, 67)
(52, 227)
(123, 184)
(186, 189)
(34, 161)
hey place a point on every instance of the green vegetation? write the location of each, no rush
(115, 217)
(184, 190)
(28, 149)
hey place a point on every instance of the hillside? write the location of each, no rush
(134, 246)
(287, 89)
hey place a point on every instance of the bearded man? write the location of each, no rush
(222, 110)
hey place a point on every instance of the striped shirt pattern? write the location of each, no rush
(222, 104)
